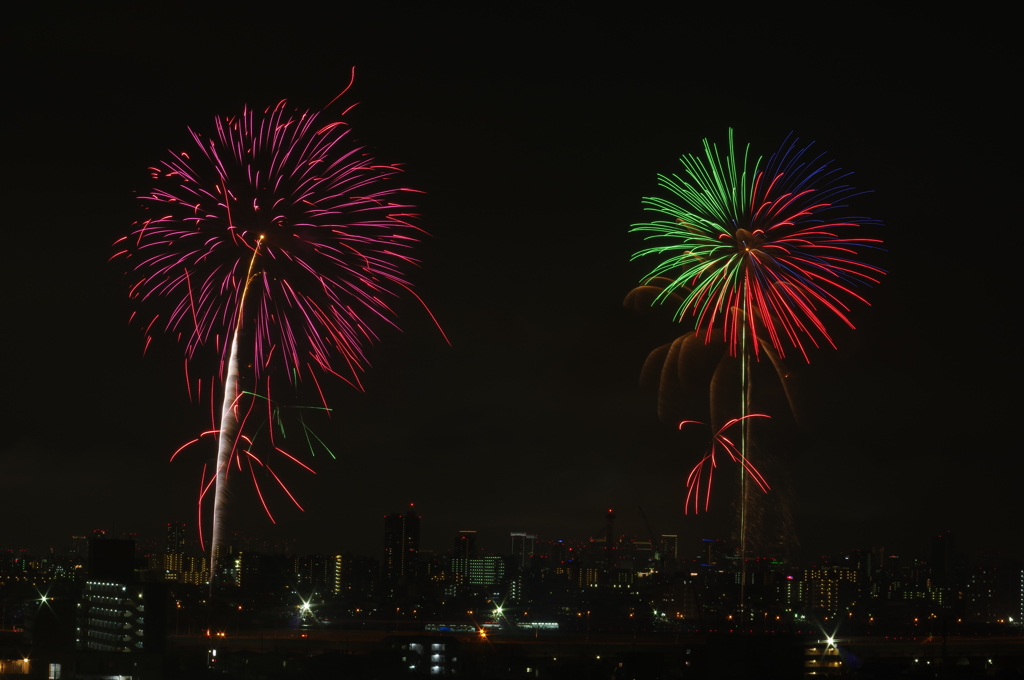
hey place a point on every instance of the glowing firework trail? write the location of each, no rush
(720, 442)
(273, 246)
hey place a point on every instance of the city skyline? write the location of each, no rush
(534, 157)
(870, 588)
(940, 551)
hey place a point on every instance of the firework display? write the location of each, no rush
(760, 248)
(758, 257)
(271, 249)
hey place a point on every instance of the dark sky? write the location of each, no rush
(535, 135)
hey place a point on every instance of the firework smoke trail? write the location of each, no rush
(756, 256)
(227, 437)
(271, 248)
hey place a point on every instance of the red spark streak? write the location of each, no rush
(182, 447)
(260, 493)
(297, 461)
(719, 439)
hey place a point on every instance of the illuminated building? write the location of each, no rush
(981, 594)
(582, 577)
(679, 599)
(1019, 590)
(172, 565)
(401, 545)
(829, 587)
(793, 593)
(195, 570)
(116, 613)
(175, 538)
(478, 571)
(113, 618)
(319, 573)
(426, 655)
(822, 658)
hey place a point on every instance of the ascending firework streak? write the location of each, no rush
(755, 257)
(277, 243)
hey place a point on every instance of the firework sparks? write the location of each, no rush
(759, 247)
(273, 246)
(702, 473)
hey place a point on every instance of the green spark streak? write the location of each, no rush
(310, 432)
(280, 423)
(305, 432)
(255, 435)
(715, 200)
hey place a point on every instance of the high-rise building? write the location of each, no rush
(175, 538)
(195, 570)
(401, 545)
(173, 566)
(980, 594)
(523, 548)
(318, 573)
(793, 595)
(116, 613)
(670, 548)
(465, 545)
(1018, 590)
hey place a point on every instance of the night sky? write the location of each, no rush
(535, 135)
